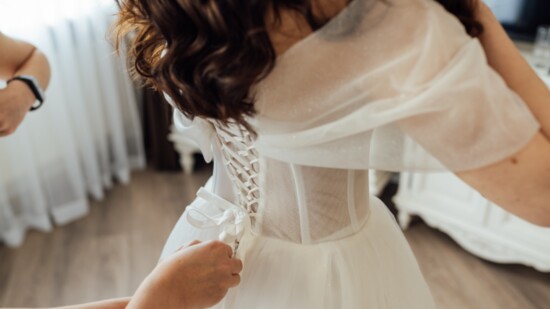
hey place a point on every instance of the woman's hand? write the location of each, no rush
(19, 58)
(15, 102)
(196, 276)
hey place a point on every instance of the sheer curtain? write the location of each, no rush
(88, 132)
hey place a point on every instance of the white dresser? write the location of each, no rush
(444, 202)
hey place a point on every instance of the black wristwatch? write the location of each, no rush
(35, 88)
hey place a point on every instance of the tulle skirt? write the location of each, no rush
(374, 268)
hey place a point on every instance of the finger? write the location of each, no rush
(193, 243)
(230, 252)
(236, 266)
(234, 281)
(220, 248)
(226, 248)
(4, 129)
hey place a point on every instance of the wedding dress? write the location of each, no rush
(381, 77)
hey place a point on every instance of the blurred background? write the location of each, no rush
(93, 182)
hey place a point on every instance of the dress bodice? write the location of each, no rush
(290, 202)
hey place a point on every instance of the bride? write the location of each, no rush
(294, 101)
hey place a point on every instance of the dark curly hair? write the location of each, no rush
(208, 54)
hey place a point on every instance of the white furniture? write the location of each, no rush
(186, 148)
(444, 202)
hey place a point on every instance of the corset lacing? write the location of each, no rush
(241, 161)
(234, 219)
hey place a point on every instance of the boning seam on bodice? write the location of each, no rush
(352, 211)
(297, 179)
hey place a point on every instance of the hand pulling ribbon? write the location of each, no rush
(233, 220)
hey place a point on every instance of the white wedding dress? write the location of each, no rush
(294, 202)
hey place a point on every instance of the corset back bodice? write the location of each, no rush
(296, 203)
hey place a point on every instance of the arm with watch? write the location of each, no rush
(24, 74)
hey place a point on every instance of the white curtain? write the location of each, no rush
(88, 132)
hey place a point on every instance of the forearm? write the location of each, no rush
(518, 184)
(36, 65)
(506, 59)
(152, 293)
(119, 303)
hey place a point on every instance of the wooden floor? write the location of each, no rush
(109, 252)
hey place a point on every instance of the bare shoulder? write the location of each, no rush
(293, 26)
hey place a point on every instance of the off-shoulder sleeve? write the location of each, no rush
(437, 105)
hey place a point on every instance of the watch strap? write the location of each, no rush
(33, 86)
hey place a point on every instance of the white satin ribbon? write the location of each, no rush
(233, 220)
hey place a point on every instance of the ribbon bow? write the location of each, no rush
(232, 219)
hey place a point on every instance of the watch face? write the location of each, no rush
(3, 84)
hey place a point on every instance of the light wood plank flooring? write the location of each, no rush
(110, 251)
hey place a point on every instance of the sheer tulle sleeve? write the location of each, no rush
(416, 101)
